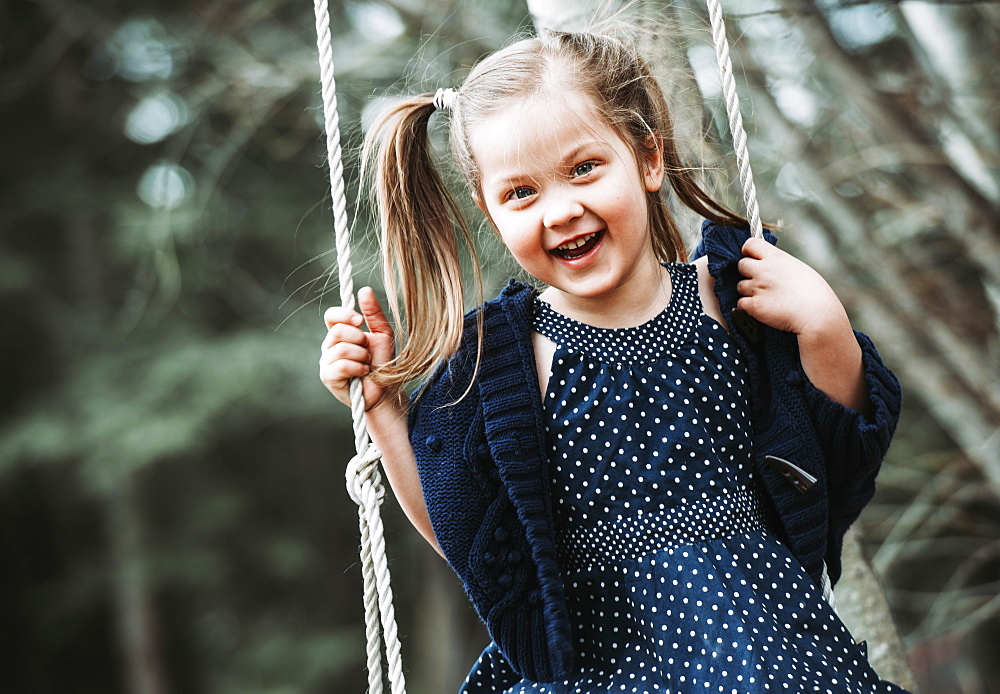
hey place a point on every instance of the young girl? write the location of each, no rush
(642, 473)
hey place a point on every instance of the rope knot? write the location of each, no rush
(363, 470)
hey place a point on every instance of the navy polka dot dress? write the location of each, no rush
(673, 582)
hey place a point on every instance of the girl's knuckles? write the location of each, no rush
(349, 352)
(342, 332)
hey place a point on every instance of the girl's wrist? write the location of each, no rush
(392, 403)
(832, 361)
(828, 323)
(829, 334)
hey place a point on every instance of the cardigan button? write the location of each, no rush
(800, 479)
(489, 558)
(747, 326)
(504, 580)
(500, 535)
(514, 557)
(433, 443)
(794, 377)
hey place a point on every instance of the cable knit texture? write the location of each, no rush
(480, 448)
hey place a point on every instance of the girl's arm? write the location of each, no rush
(349, 352)
(786, 294)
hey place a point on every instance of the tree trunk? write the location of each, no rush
(949, 372)
(133, 604)
(969, 214)
(862, 606)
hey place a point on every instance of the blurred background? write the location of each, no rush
(172, 509)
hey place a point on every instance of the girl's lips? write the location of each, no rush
(579, 251)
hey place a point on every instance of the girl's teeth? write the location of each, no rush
(570, 245)
(578, 248)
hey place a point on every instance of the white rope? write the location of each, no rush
(743, 159)
(364, 482)
(735, 119)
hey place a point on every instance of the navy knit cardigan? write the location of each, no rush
(481, 454)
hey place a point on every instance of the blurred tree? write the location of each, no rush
(171, 506)
(150, 201)
(868, 140)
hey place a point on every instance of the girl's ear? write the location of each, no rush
(653, 170)
(477, 198)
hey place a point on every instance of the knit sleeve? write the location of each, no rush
(854, 444)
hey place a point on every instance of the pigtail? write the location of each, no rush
(421, 231)
(667, 239)
(695, 197)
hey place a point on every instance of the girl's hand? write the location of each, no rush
(349, 352)
(786, 294)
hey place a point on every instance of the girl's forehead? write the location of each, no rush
(538, 128)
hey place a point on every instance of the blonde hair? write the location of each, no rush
(422, 226)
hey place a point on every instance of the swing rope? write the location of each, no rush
(743, 161)
(735, 119)
(364, 481)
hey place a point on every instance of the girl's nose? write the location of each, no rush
(561, 208)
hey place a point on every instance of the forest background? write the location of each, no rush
(172, 509)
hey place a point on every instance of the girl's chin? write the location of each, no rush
(585, 291)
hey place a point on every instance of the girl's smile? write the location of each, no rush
(568, 199)
(579, 247)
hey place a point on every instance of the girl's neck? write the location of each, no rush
(640, 299)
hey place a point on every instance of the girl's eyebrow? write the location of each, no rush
(505, 176)
(575, 153)
(509, 175)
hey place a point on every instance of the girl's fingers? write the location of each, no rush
(761, 272)
(372, 310)
(339, 314)
(756, 248)
(746, 303)
(745, 266)
(336, 374)
(346, 351)
(341, 332)
(337, 377)
(349, 351)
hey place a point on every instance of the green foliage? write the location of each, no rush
(276, 660)
(165, 239)
(164, 439)
(122, 410)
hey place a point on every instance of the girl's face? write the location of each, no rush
(567, 196)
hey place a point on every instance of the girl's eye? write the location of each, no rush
(520, 193)
(584, 168)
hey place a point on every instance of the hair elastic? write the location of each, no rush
(445, 98)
